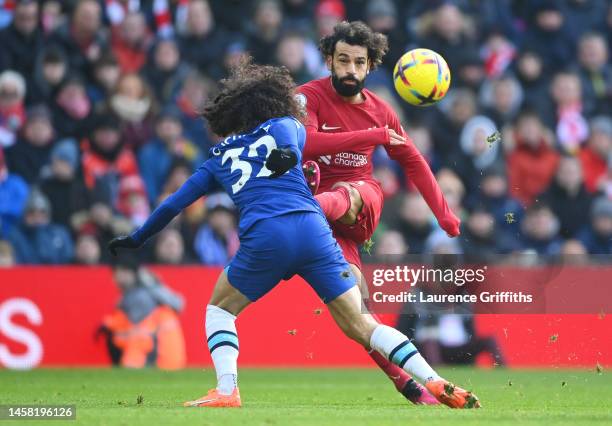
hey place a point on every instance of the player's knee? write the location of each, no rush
(350, 217)
(360, 331)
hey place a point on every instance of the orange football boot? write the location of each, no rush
(214, 399)
(451, 395)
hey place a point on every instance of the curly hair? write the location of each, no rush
(251, 95)
(356, 33)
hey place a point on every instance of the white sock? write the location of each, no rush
(223, 347)
(399, 350)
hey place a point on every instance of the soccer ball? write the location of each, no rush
(421, 77)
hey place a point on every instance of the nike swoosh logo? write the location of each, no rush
(326, 127)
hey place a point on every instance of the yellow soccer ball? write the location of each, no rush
(421, 77)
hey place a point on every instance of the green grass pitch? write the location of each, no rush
(311, 397)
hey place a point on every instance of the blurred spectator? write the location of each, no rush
(548, 35)
(290, 53)
(31, 152)
(7, 256)
(194, 93)
(493, 196)
(414, 221)
(217, 240)
(87, 250)
(585, 15)
(569, 120)
(106, 73)
(156, 157)
(50, 72)
(595, 73)
(265, 33)
(165, 71)
(448, 122)
(72, 109)
(452, 188)
(133, 203)
(37, 240)
(477, 154)
(540, 231)
(63, 184)
(13, 196)
(144, 329)
(170, 248)
(134, 103)
(533, 162)
(22, 41)
(52, 16)
(574, 253)
(12, 110)
(298, 13)
(470, 71)
(422, 139)
(130, 42)
(481, 239)
(597, 235)
(390, 245)
(502, 99)
(596, 154)
(446, 30)
(83, 38)
(382, 16)
(105, 156)
(529, 70)
(202, 30)
(498, 53)
(568, 198)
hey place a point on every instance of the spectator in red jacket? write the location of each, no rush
(594, 156)
(131, 41)
(533, 162)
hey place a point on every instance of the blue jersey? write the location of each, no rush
(238, 164)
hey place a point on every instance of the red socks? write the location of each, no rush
(335, 203)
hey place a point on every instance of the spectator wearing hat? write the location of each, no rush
(157, 156)
(63, 184)
(133, 202)
(165, 70)
(597, 235)
(22, 40)
(482, 237)
(202, 29)
(568, 198)
(382, 16)
(533, 161)
(13, 196)
(470, 71)
(82, 38)
(37, 240)
(596, 154)
(217, 240)
(31, 152)
(105, 76)
(529, 71)
(12, 109)
(72, 109)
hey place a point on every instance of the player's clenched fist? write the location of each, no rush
(450, 224)
(123, 241)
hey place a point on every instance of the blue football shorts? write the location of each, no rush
(280, 247)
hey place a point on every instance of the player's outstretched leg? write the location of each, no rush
(223, 345)
(396, 347)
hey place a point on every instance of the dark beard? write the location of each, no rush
(347, 90)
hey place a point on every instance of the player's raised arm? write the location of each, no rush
(416, 168)
(321, 143)
(193, 188)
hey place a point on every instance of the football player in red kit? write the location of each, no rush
(345, 123)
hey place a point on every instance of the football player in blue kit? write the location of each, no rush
(282, 229)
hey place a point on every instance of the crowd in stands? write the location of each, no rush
(99, 121)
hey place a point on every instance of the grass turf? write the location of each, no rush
(311, 397)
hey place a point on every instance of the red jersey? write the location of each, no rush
(342, 136)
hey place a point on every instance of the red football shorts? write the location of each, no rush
(350, 237)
